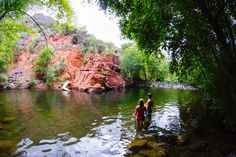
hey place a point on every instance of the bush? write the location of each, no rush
(54, 71)
(3, 79)
(42, 62)
(32, 82)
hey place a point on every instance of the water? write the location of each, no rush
(54, 123)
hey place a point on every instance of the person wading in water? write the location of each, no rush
(139, 114)
(148, 113)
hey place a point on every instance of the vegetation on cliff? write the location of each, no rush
(12, 13)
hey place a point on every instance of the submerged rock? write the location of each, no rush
(1, 126)
(157, 152)
(6, 145)
(169, 138)
(137, 145)
(147, 148)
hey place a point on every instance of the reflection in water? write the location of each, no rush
(168, 118)
(54, 123)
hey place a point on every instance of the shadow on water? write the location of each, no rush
(54, 123)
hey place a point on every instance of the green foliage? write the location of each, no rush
(89, 43)
(54, 71)
(42, 62)
(10, 29)
(15, 8)
(137, 65)
(10, 32)
(199, 35)
(43, 70)
(132, 64)
(32, 82)
(3, 79)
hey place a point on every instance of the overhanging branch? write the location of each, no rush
(37, 25)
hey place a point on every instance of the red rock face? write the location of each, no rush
(101, 73)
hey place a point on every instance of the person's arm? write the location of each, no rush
(135, 111)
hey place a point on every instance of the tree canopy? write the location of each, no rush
(11, 27)
(17, 7)
(198, 34)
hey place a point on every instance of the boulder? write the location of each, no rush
(158, 152)
(137, 145)
(100, 74)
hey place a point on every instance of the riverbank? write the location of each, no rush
(175, 85)
(164, 84)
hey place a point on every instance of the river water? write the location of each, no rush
(55, 123)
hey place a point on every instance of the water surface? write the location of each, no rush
(54, 123)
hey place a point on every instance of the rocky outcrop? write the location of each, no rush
(100, 74)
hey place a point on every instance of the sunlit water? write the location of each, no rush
(54, 123)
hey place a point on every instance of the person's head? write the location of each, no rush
(149, 95)
(141, 102)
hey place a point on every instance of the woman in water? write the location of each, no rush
(139, 114)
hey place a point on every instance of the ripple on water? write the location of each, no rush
(168, 117)
(106, 139)
(109, 128)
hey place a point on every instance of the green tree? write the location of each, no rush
(9, 34)
(16, 8)
(11, 28)
(89, 43)
(137, 65)
(132, 63)
(200, 35)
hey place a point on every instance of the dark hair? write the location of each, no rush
(149, 95)
(141, 102)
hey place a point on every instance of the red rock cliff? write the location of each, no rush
(100, 73)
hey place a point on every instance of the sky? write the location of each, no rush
(104, 27)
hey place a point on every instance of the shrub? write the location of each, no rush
(3, 79)
(42, 62)
(32, 82)
(54, 71)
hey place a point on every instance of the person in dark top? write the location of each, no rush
(148, 113)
